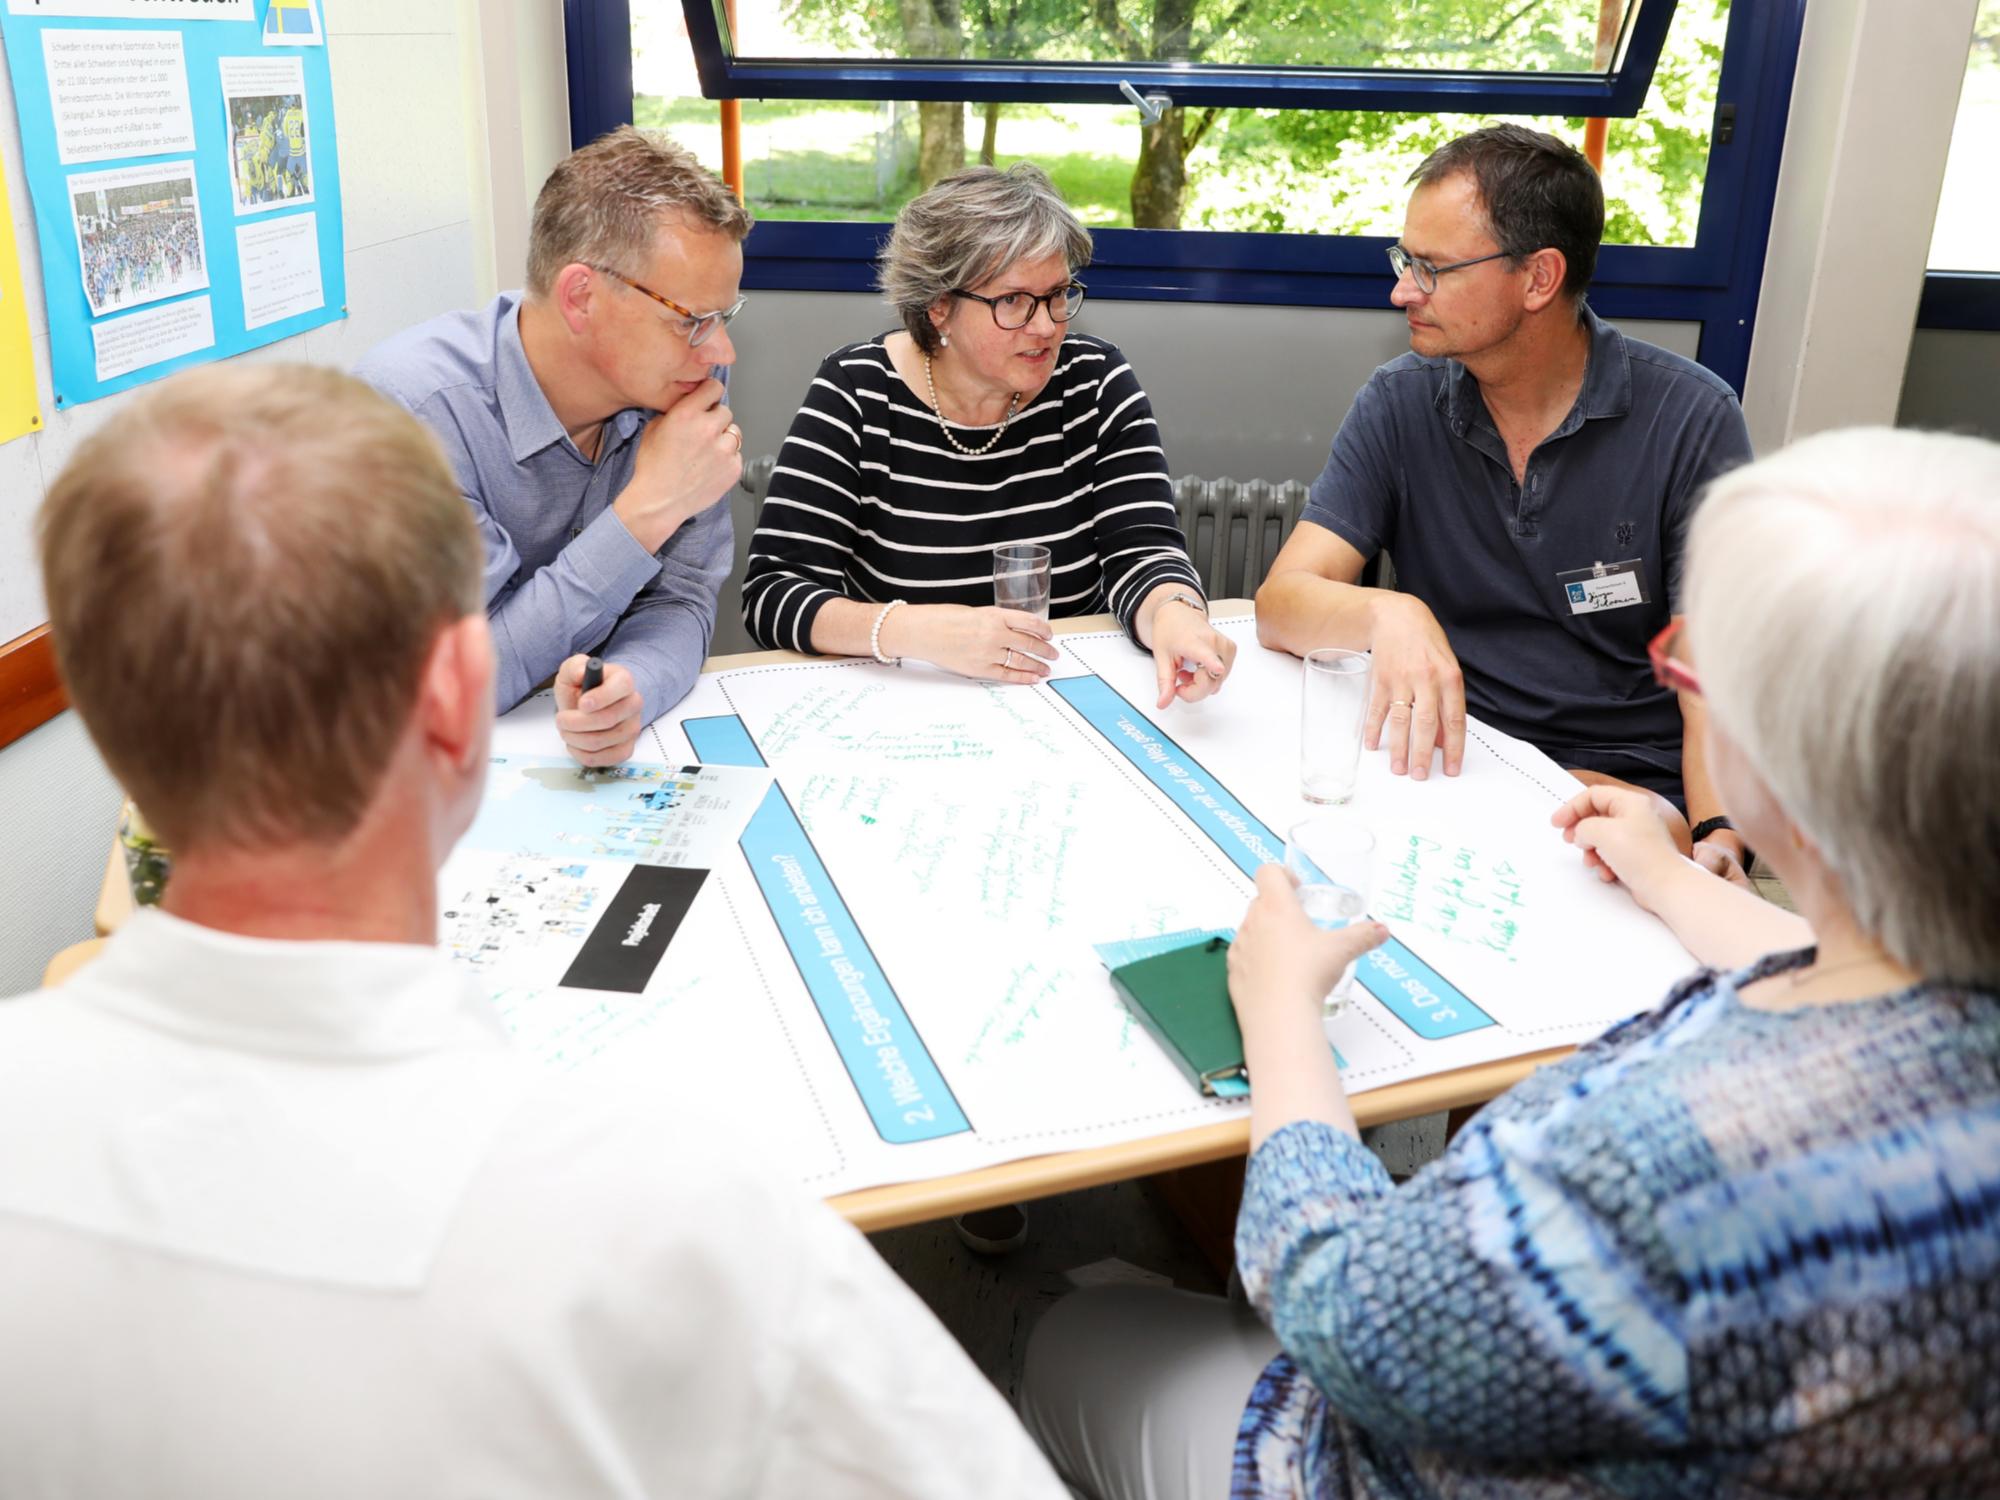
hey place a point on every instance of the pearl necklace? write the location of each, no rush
(937, 410)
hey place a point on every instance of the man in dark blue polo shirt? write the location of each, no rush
(1532, 471)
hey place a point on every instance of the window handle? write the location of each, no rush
(1150, 106)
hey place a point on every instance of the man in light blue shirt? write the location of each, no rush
(585, 418)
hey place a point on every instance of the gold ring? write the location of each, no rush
(737, 433)
(1007, 661)
(1400, 703)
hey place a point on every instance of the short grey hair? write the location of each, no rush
(1843, 605)
(604, 202)
(969, 227)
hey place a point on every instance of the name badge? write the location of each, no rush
(1603, 586)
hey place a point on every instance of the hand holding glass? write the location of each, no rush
(1333, 860)
(1021, 578)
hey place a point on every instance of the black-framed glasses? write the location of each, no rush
(1425, 273)
(1013, 310)
(696, 326)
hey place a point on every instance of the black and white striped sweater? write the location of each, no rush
(869, 501)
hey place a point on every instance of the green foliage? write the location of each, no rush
(1326, 172)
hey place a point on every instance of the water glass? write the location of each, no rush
(1021, 578)
(1333, 859)
(1331, 718)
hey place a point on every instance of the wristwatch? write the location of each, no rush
(1716, 824)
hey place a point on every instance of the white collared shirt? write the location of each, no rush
(294, 1219)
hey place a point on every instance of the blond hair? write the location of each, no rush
(968, 228)
(603, 205)
(1843, 604)
(245, 573)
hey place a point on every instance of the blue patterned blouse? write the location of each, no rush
(1720, 1251)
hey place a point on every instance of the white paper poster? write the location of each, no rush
(117, 93)
(264, 101)
(898, 970)
(138, 234)
(279, 260)
(139, 10)
(147, 338)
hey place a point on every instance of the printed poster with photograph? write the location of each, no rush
(138, 235)
(182, 159)
(264, 100)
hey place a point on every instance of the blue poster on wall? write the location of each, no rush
(180, 155)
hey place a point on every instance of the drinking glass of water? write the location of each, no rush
(1021, 578)
(1333, 859)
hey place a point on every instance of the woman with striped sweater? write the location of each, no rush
(976, 425)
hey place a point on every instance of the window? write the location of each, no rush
(1265, 170)
(1967, 234)
(1520, 56)
(1278, 171)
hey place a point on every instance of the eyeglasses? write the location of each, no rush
(695, 326)
(1424, 273)
(1671, 669)
(1017, 309)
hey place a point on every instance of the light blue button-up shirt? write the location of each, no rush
(563, 574)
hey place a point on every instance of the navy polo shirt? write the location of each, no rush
(1419, 470)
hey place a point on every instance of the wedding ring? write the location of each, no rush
(1007, 661)
(737, 433)
(1399, 703)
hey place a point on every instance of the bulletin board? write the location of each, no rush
(181, 160)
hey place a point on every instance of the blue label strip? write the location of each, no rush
(890, 1067)
(1420, 997)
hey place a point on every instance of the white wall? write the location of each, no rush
(400, 107)
(1865, 147)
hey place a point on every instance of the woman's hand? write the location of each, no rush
(999, 645)
(1623, 838)
(1182, 634)
(1280, 969)
(1280, 965)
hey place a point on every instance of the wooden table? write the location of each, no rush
(897, 1204)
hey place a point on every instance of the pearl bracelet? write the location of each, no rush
(875, 636)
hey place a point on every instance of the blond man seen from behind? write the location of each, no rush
(282, 1211)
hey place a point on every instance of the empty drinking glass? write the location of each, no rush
(1332, 713)
(1021, 578)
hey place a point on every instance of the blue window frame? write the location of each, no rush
(1713, 283)
(1617, 91)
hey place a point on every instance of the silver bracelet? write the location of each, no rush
(1200, 606)
(875, 636)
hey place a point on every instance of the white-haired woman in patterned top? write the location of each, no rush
(977, 425)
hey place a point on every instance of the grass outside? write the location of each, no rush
(826, 159)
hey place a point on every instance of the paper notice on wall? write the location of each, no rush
(293, 23)
(117, 93)
(270, 161)
(279, 259)
(138, 234)
(147, 338)
(139, 10)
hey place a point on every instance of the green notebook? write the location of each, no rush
(1182, 998)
